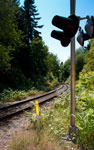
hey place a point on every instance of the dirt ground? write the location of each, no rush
(10, 128)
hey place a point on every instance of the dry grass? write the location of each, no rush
(33, 141)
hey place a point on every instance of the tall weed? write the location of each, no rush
(85, 109)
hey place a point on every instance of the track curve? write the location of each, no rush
(9, 110)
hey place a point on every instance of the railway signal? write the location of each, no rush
(89, 28)
(68, 25)
(61, 36)
(82, 37)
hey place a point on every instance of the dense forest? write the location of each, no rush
(25, 60)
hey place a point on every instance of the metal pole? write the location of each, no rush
(72, 121)
(72, 117)
(72, 7)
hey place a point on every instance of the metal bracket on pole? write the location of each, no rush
(87, 17)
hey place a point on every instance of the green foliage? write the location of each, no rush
(38, 55)
(24, 58)
(10, 38)
(9, 33)
(89, 58)
(79, 63)
(55, 120)
(28, 21)
(85, 108)
(53, 65)
(86, 128)
(86, 81)
(51, 81)
(9, 95)
(4, 58)
(65, 70)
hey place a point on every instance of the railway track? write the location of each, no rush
(9, 110)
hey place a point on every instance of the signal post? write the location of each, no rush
(69, 27)
(73, 128)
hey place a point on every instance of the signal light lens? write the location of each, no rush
(89, 27)
(61, 36)
(82, 37)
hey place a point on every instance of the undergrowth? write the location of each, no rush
(9, 95)
(85, 109)
(55, 120)
(54, 123)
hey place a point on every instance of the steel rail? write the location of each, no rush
(16, 107)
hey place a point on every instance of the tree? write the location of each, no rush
(23, 55)
(79, 61)
(4, 58)
(28, 21)
(53, 64)
(32, 60)
(38, 57)
(86, 48)
(10, 36)
(9, 33)
(65, 70)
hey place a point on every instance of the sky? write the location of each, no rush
(48, 9)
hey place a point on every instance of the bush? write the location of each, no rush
(85, 108)
(9, 95)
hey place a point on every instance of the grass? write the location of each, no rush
(33, 141)
(54, 123)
